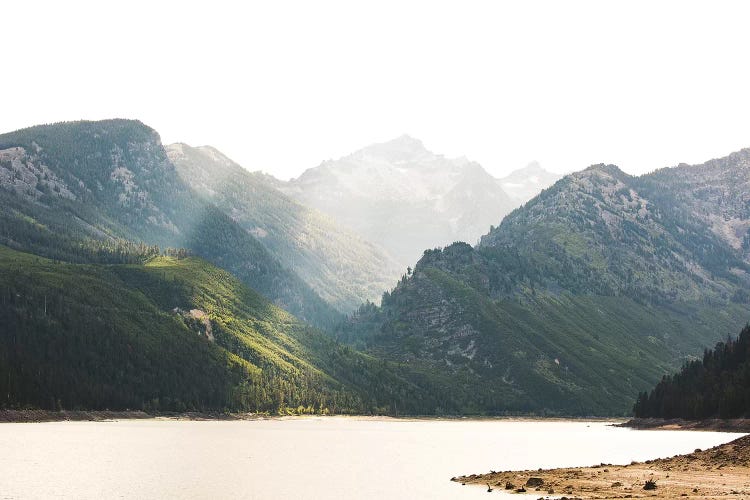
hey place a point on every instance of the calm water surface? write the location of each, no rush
(315, 458)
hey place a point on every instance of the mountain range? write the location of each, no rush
(135, 275)
(576, 300)
(407, 199)
(70, 183)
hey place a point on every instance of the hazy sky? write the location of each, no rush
(280, 86)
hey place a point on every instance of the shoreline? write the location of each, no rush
(719, 472)
(39, 416)
(31, 416)
(678, 424)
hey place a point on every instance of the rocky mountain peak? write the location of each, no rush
(402, 142)
(402, 149)
(525, 183)
(405, 141)
(404, 197)
(601, 169)
(216, 155)
(532, 167)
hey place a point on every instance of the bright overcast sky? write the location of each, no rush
(281, 86)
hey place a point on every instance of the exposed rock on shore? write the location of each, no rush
(722, 471)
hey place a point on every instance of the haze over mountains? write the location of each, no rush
(408, 199)
(571, 304)
(397, 194)
(341, 267)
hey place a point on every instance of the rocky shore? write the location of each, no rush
(719, 472)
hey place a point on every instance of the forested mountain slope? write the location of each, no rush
(173, 335)
(341, 267)
(716, 385)
(576, 301)
(62, 185)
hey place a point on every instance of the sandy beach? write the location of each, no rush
(719, 472)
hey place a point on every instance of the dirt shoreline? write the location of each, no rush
(712, 424)
(719, 472)
(21, 416)
(30, 416)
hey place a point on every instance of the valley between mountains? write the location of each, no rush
(138, 275)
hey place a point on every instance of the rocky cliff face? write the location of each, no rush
(25, 175)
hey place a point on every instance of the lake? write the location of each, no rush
(306, 458)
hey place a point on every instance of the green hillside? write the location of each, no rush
(65, 184)
(172, 334)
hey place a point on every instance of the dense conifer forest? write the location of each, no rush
(715, 386)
